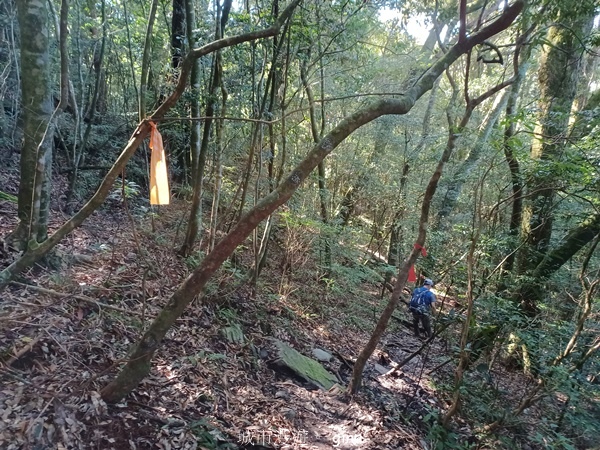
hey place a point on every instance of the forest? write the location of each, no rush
(214, 215)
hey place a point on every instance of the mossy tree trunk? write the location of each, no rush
(559, 73)
(577, 238)
(529, 293)
(508, 146)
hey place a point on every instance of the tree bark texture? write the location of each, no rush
(559, 73)
(512, 161)
(36, 95)
(178, 32)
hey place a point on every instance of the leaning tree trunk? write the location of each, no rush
(586, 302)
(138, 364)
(576, 239)
(528, 294)
(36, 151)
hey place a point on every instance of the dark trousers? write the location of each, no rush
(424, 319)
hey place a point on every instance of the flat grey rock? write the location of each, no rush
(322, 355)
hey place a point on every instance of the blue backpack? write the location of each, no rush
(418, 302)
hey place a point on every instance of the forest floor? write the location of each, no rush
(66, 329)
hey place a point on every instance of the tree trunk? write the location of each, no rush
(529, 294)
(146, 61)
(178, 32)
(218, 164)
(79, 152)
(559, 73)
(464, 354)
(36, 151)
(317, 135)
(183, 21)
(513, 162)
(586, 303)
(455, 186)
(200, 152)
(570, 245)
(587, 119)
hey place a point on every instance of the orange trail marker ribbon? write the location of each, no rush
(412, 276)
(159, 180)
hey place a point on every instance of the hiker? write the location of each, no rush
(422, 305)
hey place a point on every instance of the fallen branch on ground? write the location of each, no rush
(76, 297)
